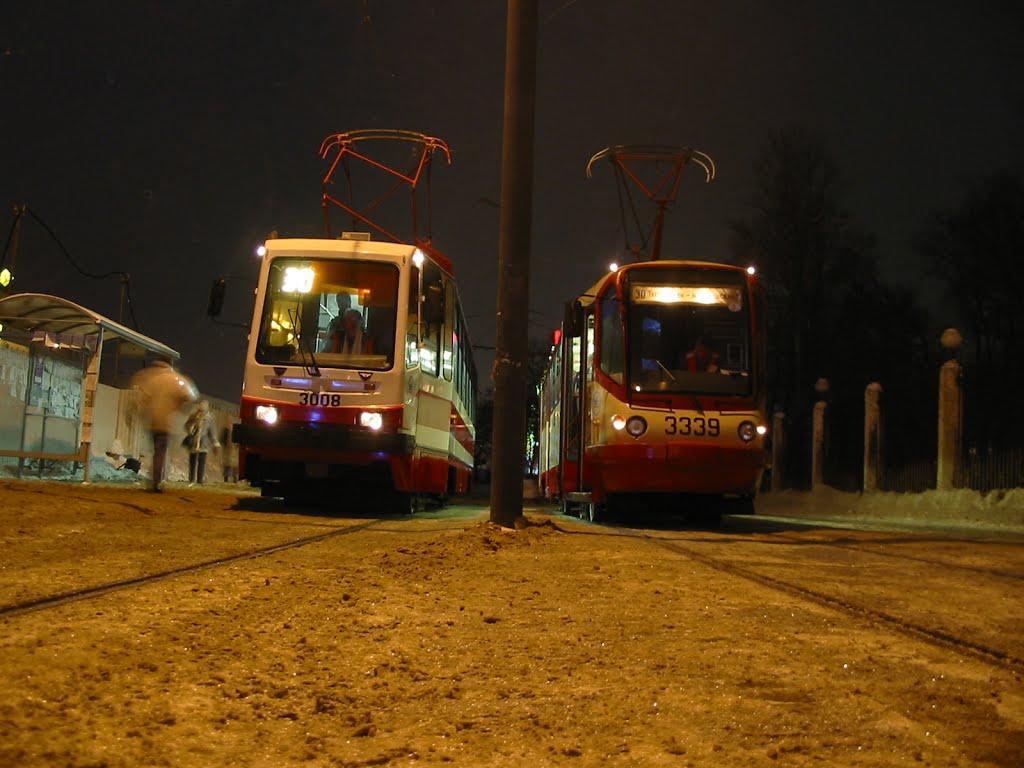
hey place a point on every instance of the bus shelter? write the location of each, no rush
(50, 354)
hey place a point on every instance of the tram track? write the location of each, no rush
(938, 563)
(12, 610)
(935, 637)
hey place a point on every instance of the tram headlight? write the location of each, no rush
(747, 431)
(267, 414)
(636, 425)
(618, 423)
(371, 420)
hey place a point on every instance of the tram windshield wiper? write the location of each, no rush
(312, 369)
(666, 370)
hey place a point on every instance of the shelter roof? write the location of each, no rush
(42, 313)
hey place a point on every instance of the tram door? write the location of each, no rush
(574, 396)
(587, 376)
(578, 381)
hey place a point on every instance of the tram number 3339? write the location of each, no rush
(320, 398)
(696, 426)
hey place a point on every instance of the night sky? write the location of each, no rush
(166, 139)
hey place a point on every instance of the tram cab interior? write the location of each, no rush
(330, 313)
(692, 345)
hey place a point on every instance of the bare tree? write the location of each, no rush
(829, 314)
(801, 239)
(977, 250)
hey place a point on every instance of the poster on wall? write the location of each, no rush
(13, 372)
(56, 387)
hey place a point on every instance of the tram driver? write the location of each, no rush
(347, 336)
(702, 357)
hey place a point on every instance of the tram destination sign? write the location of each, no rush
(708, 295)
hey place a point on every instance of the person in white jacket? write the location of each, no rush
(162, 392)
(200, 437)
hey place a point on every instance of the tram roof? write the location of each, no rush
(590, 295)
(359, 245)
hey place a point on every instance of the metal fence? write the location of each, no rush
(992, 470)
(983, 471)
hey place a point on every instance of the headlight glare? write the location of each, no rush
(267, 414)
(371, 420)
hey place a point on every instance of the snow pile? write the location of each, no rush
(1001, 509)
(109, 468)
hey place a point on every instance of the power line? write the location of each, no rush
(20, 211)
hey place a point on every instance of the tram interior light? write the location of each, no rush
(267, 414)
(371, 420)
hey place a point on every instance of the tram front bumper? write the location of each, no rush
(676, 468)
(320, 437)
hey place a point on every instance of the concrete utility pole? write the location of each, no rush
(511, 372)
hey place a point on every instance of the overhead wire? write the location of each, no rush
(125, 277)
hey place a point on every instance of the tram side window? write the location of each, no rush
(448, 353)
(412, 347)
(612, 356)
(431, 315)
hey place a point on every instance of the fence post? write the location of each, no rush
(872, 436)
(818, 435)
(778, 448)
(950, 415)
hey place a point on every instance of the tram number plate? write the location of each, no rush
(695, 426)
(322, 399)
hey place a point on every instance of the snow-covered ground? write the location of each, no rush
(1002, 510)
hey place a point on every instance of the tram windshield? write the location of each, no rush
(331, 313)
(688, 331)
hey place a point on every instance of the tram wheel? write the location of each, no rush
(406, 503)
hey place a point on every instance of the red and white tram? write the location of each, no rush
(656, 392)
(359, 380)
(326, 413)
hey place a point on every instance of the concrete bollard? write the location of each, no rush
(818, 435)
(872, 436)
(778, 448)
(951, 411)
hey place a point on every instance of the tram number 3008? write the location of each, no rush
(697, 426)
(327, 399)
